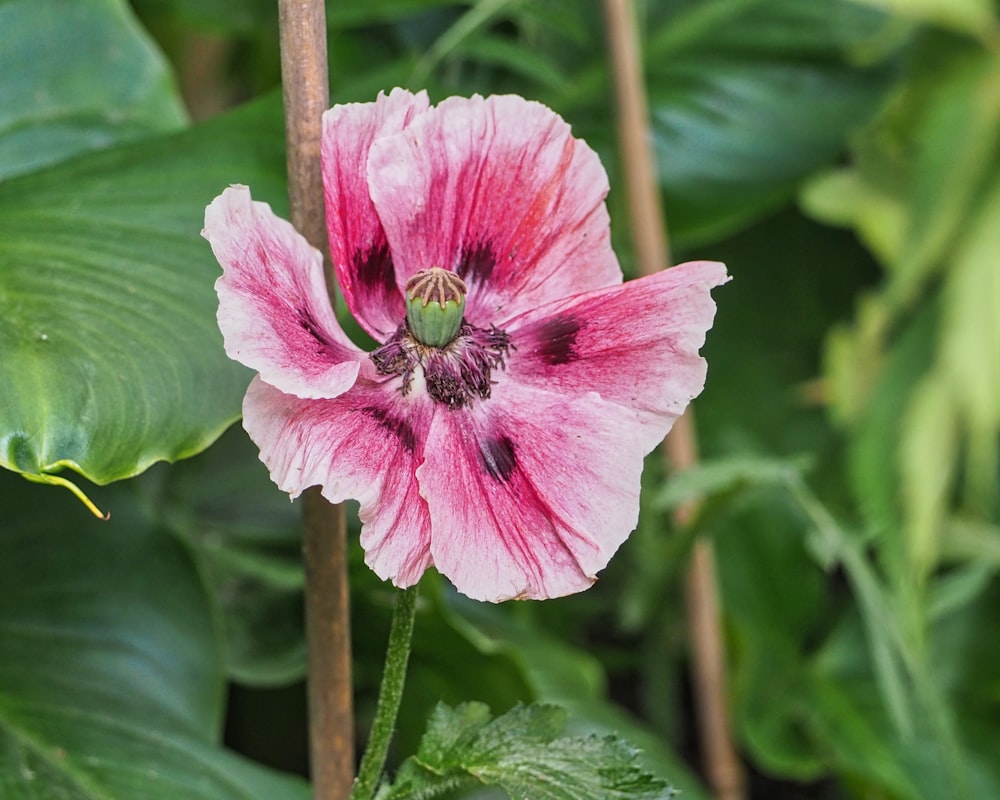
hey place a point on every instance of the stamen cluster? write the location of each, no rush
(455, 374)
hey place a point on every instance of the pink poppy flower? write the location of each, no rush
(506, 452)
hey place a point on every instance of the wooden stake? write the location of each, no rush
(721, 763)
(327, 598)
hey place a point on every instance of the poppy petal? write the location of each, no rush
(274, 310)
(499, 191)
(531, 494)
(635, 344)
(358, 245)
(363, 445)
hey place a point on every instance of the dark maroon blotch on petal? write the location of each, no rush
(310, 326)
(498, 458)
(396, 426)
(557, 339)
(374, 268)
(477, 262)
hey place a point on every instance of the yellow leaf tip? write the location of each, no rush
(56, 480)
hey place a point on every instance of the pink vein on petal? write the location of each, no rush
(274, 310)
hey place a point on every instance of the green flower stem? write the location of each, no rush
(390, 693)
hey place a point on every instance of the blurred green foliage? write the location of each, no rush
(842, 157)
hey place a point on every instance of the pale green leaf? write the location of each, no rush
(927, 450)
(723, 475)
(959, 134)
(970, 343)
(846, 197)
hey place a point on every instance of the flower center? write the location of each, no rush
(456, 358)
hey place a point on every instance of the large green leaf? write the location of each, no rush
(247, 537)
(111, 356)
(747, 98)
(111, 668)
(77, 76)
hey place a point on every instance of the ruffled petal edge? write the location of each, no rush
(274, 310)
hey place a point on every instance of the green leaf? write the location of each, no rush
(874, 446)
(111, 670)
(538, 67)
(570, 678)
(927, 453)
(968, 647)
(724, 475)
(475, 18)
(860, 740)
(729, 82)
(77, 76)
(247, 537)
(848, 197)
(523, 753)
(956, 406)
(111, 356)
(959, 134)
(220, 16)
(970, 343)
(842, 712)
(972, 17)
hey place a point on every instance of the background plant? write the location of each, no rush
(841, 157)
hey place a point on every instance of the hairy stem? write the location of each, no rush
(390, 694)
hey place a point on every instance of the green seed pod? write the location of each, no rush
(435, 305)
